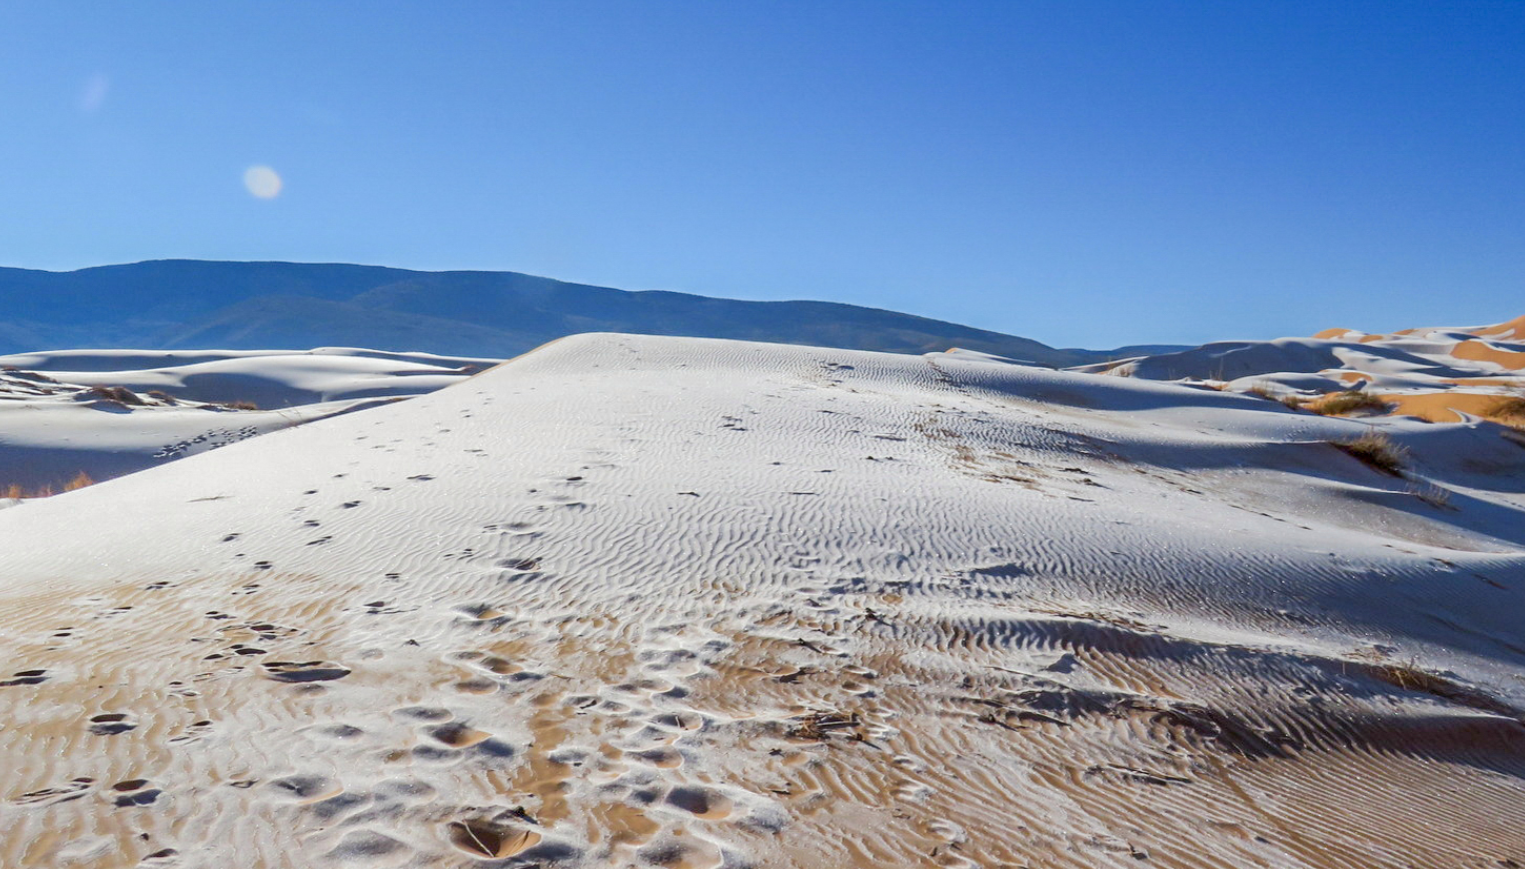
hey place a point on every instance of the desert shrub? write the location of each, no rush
(1509, 410)
(1292, 402)
(1350, 401)
(19, 374)
(162, 397)
(1375, 450)
(240, 405)
(16, 490)
(1261, 390)
(120, 394)
(1408, 676)
(80, 481)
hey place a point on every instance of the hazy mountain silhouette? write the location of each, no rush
(183, 304)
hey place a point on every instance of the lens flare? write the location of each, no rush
(262, 182)
(94, 94)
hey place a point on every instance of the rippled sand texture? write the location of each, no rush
(633, 601)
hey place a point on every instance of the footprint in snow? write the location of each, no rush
(306, 671)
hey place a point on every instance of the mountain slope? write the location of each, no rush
(191, 304)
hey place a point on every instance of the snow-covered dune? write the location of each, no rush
(639, 601)
(1439, 374)
(104, 413)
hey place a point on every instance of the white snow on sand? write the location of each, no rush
(645, 601)
(1439, 374)
(56, 422)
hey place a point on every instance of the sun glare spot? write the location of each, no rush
(262, 182)
(94, 94)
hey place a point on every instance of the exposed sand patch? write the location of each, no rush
(1507, 330)
(1442, 406)
(1481, 351)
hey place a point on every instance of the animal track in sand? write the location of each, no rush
(163, 857)
(489, 841)
(480, 612)
(701, 802)
(915, 792)
(134, 792)
(25, 677)
(110, 723)
(424, 713)
(664, 757)
(515, 529)
(195, 731)
(73, 790)
(670, 852)
(305, 671)
(339, 730)
(366, 846)
(687, 721)
(457, 735)
(476, 685)
(307, 788)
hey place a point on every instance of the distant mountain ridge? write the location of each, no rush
(185, 304)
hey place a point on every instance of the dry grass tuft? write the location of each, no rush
(1349, 401)
(821, 725)
(16, 491)
(1409, 677)
(119, 394)
(1438, 497)
(240, 405)
(20, 374)
(1375, 450)
(80, 481)
(1509, 410)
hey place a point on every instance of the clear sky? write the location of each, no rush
(1082, 173)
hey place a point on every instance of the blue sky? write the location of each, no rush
(1083, 173)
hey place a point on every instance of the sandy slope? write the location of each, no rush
(631, 601)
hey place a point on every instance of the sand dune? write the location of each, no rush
(104, 413)
(1441, 375)
(638, 601)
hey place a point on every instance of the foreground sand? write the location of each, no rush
(631, 601)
